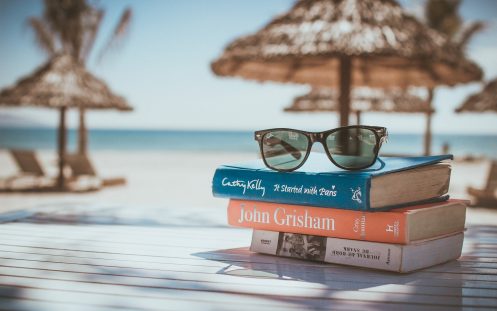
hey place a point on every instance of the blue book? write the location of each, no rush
(390, 182)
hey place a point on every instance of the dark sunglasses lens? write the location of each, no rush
(352, 148)
(284, 150)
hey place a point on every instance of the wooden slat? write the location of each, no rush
(149, 250)
(288, 286)
(277, 266)
(264, 262)
(229, 294)
(245, 257)
(180, 250)
(41, 299)
(26, 303)
(156, 237)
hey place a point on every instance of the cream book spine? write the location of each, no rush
(383, 256)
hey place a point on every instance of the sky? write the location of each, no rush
(163, 69)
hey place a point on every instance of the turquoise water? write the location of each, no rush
(236, 141)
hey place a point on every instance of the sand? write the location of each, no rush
(181, 181)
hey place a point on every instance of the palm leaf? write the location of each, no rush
(467, 34)
(119, 33)
(92, 22)
(443, 16)
(44, 38)
(64, 19)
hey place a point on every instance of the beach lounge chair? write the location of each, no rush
(488, 195)
(84, 176)
(31, 175)
(27, 162)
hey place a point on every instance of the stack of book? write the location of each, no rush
(393, 216)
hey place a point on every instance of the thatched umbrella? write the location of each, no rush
(484, 101)
(366, 99)
(62, 83)
(344, 43)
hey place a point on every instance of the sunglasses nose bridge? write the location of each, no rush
(316, 137)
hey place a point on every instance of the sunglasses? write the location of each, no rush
(351, 147)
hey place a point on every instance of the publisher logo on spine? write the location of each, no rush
(356, 195)
(394, 228)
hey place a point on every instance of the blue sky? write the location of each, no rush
(163, 69)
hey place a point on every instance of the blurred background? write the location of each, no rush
(143, 83)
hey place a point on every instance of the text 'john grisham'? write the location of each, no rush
(281, 217)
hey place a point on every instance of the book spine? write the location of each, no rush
(330, 250)
(330, 222)
(341, 191)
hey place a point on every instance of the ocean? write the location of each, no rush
(226, 141)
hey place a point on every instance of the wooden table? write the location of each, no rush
(81, 257)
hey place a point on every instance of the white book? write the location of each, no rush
(384, 256)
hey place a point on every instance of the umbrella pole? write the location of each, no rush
(345, 84)
(62, 148)
(83, 135)
(358, 117)
(427, 142)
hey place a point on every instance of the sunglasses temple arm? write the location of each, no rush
(382, 164)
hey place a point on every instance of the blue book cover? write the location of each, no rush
(317, 183)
